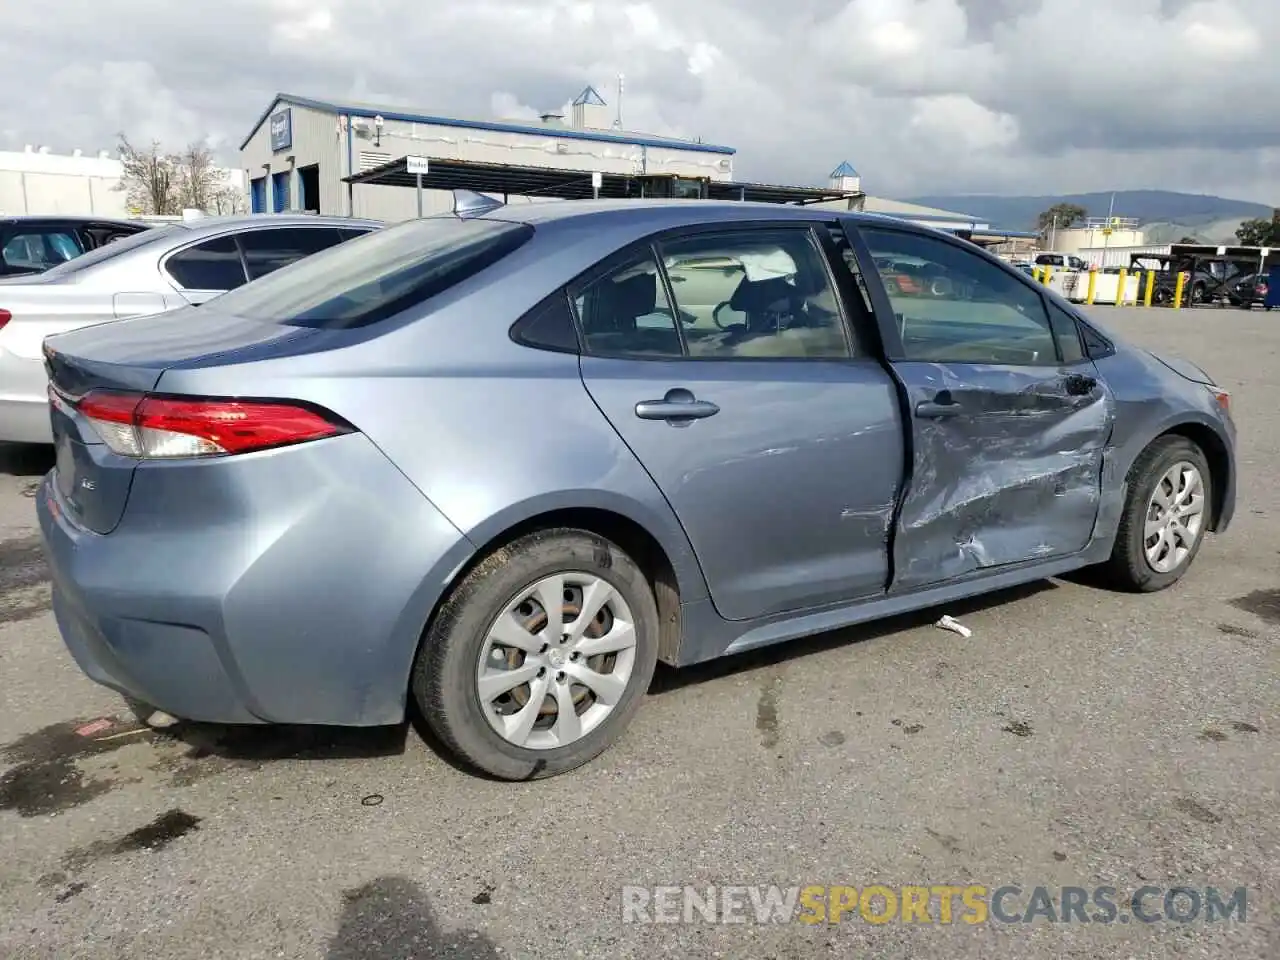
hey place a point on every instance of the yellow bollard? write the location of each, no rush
(1093, 285)
(1048, 272)
(1124, 276)
(1151, 288)
(1035, 274)
(1177, 291)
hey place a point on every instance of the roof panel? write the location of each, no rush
(401, 115)
(569, 184)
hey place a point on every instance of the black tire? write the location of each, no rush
(444, 675)
(1128, 568)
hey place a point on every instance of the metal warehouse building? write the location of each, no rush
(301, 153)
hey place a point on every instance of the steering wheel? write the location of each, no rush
(715, 316)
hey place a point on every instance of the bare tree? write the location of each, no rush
(199, 181)
(228, 200)
(149, 179)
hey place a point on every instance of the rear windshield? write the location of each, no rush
(114, 249)
(378, 275)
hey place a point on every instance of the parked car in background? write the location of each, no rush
(34, 244)
(156, 270)
(503, 463)
(1249, 291)
(1060, 261)
(1207, 283)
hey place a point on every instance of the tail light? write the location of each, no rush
(159, 427)
(5, 317)
(1261, 290)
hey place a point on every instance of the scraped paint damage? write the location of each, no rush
(1016, 479)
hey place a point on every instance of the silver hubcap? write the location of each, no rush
(556, 661)
(1175, 517)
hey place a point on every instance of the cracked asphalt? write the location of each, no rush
(1079, 738)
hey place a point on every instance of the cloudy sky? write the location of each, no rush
(922, 96)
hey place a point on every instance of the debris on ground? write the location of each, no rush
(159, 720)
(955, 626)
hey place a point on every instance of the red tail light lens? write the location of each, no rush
(5, 317)
(157, 427)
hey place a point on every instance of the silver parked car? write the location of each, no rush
(504, 463)
(153, 271)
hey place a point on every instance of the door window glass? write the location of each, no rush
(39, 250)
(212, 265)
(755, 293)
(952, 305)
(1067, 334)
(626, 313)
(266, 251)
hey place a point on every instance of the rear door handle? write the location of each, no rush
(942, 405)
(678, 404)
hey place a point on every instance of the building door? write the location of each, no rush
(280, 191)
(309, 188)
(258, 194)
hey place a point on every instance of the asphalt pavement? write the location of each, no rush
(1080, 738)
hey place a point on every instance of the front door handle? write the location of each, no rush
(942, 405)
(678, 404)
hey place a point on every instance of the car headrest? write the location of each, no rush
(752, 296)
(620, 302)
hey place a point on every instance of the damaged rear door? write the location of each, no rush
(1009, 420)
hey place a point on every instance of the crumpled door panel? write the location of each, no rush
(1015, 476)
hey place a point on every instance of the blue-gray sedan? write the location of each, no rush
(505, 461)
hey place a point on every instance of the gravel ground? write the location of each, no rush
(1079, 738)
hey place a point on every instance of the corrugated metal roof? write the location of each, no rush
(402, 115)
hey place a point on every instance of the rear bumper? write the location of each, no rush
(24, 403)
(290, 586)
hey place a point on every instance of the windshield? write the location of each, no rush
(378, 275)
(114, 249)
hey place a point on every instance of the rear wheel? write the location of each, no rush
(1165, 517)
(539, 658)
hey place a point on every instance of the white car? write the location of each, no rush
(154, 271)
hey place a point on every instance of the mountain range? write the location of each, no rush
(1166, 215)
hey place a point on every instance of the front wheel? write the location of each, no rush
(539, 658)
(1165, 517)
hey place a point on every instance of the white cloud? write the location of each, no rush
(921, 95)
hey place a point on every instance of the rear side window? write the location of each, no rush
(378, 275)
(40, 249)
(153, 236)
(266, 251)
(212, 265)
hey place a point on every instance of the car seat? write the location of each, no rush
(614, 307)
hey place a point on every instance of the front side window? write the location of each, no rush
(755, 293)
(626, 313)
(952, 305)
(371, 278)
(212, 265)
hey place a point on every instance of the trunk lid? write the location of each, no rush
(129, 356)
